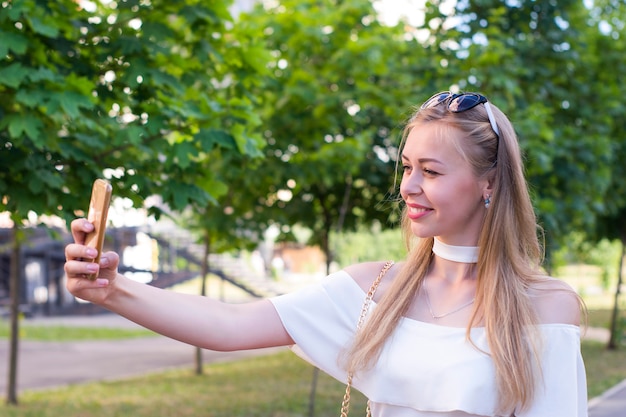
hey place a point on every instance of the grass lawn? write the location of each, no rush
(605, 368)
(276, 385)
(66, 333)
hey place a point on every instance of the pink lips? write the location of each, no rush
(417, 211)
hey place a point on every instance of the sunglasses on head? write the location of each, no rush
(458, 103)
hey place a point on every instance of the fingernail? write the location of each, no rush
(91, 268)
(101, 282)
(91, 253)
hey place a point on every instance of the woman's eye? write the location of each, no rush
(406, 168)
(430, 172)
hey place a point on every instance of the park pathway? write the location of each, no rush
(44, 365)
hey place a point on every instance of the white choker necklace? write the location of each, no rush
(464, 254)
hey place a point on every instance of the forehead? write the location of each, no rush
(434, 140)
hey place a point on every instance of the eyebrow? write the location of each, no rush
(422, 160)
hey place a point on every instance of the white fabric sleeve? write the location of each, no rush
(316, 319)
(564, 388)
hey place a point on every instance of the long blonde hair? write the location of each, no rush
(509, 261)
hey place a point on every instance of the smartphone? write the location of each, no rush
(97, 215)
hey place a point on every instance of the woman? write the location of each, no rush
(468, 325)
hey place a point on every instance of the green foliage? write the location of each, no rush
(610, 17)
(543, 64)
(338, 91)
(539, 62)
(368, 244)
(143, 94)
(579, 249)
(163, 99)
(235, 223)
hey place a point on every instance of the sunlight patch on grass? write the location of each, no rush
(71, 333)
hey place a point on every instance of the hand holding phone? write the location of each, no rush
(97, 215)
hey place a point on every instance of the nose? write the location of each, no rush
(411, 184)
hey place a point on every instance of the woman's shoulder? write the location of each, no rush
(555, 301)
(365, 273)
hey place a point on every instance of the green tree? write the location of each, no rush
(139, 93)
(608, 19)
(342, 85)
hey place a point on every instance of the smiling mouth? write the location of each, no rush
(416, 212)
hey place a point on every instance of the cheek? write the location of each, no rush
(467, 197)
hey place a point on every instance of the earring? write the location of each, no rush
(487, 201)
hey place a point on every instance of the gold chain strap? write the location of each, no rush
(345, 404)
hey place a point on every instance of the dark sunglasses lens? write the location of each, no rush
(465, 102)
(435, 100)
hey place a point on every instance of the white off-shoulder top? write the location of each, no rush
(426, 370)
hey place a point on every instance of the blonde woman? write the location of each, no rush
(467, 325)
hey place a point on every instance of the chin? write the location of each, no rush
(421, 233)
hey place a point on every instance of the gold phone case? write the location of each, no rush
(97, 215)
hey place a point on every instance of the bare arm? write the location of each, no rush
(196, 320)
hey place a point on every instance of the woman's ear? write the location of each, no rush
(487, 187)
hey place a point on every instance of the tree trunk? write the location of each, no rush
(329, 259)
(14, 284)
(616, 329)
(316, 371)
(313, 391)
(204, 271)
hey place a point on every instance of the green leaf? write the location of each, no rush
(79, 84)
(36, 183)
(210, 138)
(13, 75)
(162, 79)
(131, 134)
(246, 144)
(182, 152)
(25, 124)
(69, 149)
(43, 28)
(131, 45)
(156, 30)
(214, 187)
(72, 102)
(12, 42)
(15, 9)
(43, 74)
(181, 195)
(31, 98)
